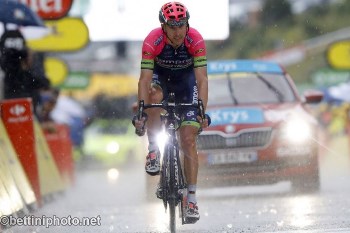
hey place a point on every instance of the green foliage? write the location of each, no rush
(279, 29)
(274, 11)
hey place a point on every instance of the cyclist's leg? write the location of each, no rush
(187, 92)
(153, 127)
(154, 122)
(188, 135)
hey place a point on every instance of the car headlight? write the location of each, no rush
(112, 147)
(297, 130)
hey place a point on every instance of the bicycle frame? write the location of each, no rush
(171, 176)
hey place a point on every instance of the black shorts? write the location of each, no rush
(184, 87)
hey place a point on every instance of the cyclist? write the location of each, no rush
(174, 60)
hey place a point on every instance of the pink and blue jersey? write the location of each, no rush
(161, 57)
(173, 69)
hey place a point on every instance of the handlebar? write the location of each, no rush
(166, 105)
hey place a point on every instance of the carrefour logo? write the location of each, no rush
(17, 110)
(236, 116)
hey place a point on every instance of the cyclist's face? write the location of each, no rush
(176, 34)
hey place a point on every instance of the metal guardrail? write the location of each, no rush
(327, 39)
(297, 53)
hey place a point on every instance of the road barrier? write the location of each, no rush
(14, 202)
(17, 116)
(6, 207)
(49, 176)
(34, 165)
(59, 142)
(8, 153)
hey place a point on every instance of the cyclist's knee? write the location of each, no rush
(156, 94)
(188, 140)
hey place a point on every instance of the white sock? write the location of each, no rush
(191, 193)
(152, 146)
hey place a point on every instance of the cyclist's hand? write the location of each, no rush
(139, 125)
(204, 122)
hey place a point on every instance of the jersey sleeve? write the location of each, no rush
(197, 48)
(150, 49)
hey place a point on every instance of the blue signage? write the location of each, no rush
(258, 66)
(225, 116)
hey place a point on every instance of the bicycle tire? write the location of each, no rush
(172, 182)
(164, 183)
(172, 197)
(172, 215)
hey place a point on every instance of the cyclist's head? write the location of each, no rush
(174, 14)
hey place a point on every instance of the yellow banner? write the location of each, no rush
(67, 34)
(114, 85)
(56, 70)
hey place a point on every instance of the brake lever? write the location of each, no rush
(201, 109)
(201, 113)
(140, 132)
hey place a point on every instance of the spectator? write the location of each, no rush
(16, 61)
(48, 100)
(70, 112)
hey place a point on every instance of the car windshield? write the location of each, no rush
(249, 88)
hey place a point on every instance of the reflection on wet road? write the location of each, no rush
(118, 199)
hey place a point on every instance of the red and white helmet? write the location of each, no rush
(174, 14)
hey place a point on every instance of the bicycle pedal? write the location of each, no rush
(156, 173)
(189, 220)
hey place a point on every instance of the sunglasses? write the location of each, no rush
(174, 23)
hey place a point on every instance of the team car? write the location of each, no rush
(262, 131)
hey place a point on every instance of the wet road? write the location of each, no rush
(117, 203)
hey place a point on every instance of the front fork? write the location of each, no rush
(172, 148)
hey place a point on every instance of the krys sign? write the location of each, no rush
(49, 9)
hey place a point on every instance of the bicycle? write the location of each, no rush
(172, 183)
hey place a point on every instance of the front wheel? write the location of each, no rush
(171, 153)
(172, 215)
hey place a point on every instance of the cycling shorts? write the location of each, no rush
(185, 89)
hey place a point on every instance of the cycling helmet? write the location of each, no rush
(174, 14)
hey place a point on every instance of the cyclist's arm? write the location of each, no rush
(149, 52)
(144, 84)
(202, 83)
(198, 50)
